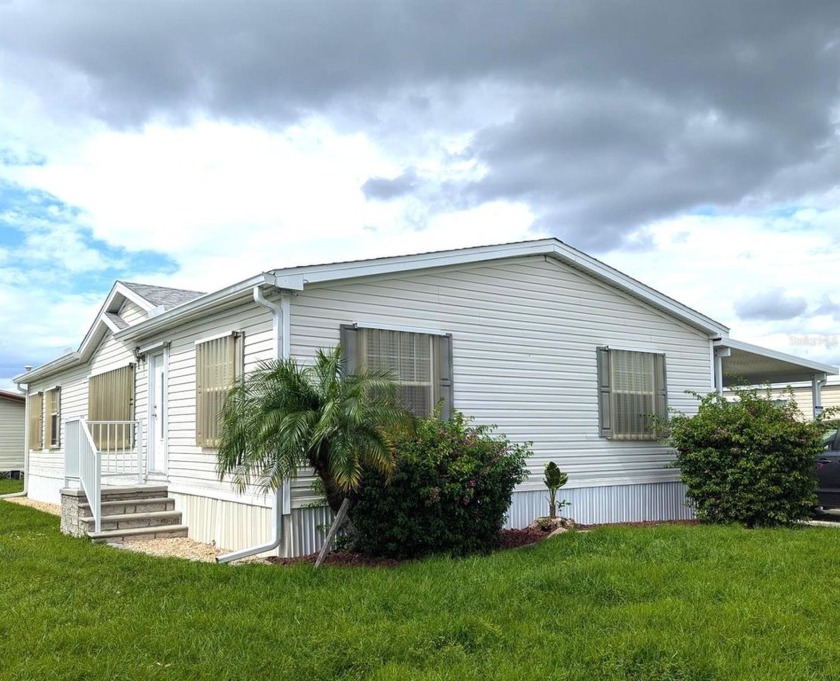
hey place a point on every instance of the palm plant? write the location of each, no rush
(285, 415)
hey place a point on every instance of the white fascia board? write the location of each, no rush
(63, 362)
(133, 296)
(810, 365)
(105, 320)
(194, 308)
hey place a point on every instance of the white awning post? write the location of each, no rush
(720, 353)
(817, 382)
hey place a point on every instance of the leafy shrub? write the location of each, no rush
(449, 492)
(750, 461)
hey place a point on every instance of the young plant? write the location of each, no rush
(554, 480)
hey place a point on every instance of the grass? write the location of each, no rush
(670, 602)
(9, 485)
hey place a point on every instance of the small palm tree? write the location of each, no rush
(284, 416)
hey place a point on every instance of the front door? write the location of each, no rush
(157, 415)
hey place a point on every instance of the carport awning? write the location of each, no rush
(743, 362)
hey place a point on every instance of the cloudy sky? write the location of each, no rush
(187, 143)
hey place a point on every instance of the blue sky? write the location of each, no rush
(699, 156)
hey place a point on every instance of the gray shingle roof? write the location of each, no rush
(159, 295)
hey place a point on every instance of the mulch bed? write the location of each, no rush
(509, 539)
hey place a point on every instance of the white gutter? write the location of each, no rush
(25, 452)
(281, 504)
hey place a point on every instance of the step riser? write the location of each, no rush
(123, 507)
(132, 524)
(159, 533)
(132, 496)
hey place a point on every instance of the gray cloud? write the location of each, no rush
(385, 189)
(603, 115)
(771, 305)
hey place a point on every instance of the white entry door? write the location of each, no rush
(157, 415)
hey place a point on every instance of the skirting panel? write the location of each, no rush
(229, 525)
(615, 504)
(308, 530)
(44, 488)
(238, 526)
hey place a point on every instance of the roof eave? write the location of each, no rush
(193, 308)
(63, 362)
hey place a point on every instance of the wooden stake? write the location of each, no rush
(336, 526)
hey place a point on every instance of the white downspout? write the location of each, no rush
(280, 504)
(25, 453)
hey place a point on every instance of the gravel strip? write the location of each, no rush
(53, 509)
(176, 547)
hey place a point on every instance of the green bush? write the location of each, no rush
(449, 492)
(750, 460)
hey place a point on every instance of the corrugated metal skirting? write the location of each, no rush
(308, 530)
(590, 505)
(613, 504)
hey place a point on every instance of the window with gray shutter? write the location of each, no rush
(421, 363)
(632, 389)
(218, 364)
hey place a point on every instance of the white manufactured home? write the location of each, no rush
(12, 420)
(549, 344)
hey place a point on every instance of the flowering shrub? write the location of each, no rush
(750, 461)
(449, 492)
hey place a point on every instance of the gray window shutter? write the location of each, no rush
(349, 339)
(445, 384)
(660, 378)
(604, 392)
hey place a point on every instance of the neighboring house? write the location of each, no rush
(548, 343)
(12, 426)
(803, 394)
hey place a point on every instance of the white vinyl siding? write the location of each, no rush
(12, 439)
(46, 468)
(132, 313)
(524, 338)
(191, 468)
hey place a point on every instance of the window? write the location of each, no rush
(52, 420)
(633, 389)
(111, 398)
(218, 363)
(420, 362)
(36, 420)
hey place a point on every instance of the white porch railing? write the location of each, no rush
(97, 449)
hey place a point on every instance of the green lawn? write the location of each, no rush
(671, 602)
(9, 486)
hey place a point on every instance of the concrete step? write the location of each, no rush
(121, 506)
(165, 532)
(134, 492)
(124, 521)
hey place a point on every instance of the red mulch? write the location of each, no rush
(509, 539)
